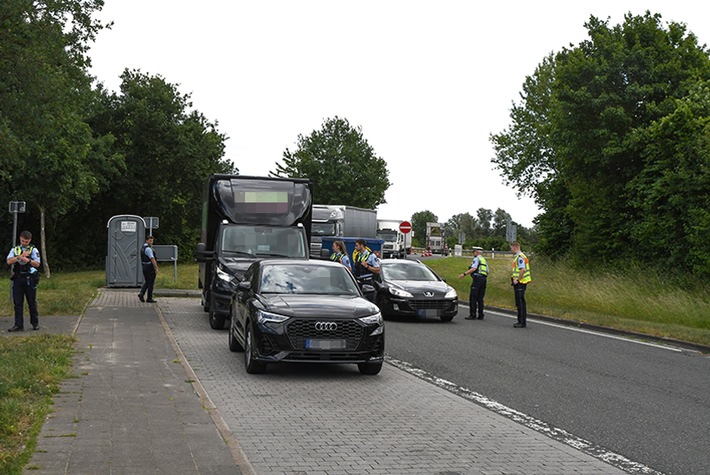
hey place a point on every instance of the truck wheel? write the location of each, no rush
(252, 367)
(216, 320)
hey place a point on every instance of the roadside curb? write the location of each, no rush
(230, 440)
(615, 331)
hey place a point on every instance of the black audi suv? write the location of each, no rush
(305, 311)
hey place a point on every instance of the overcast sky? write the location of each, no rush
(427, 82)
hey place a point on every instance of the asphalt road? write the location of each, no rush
(646, 402)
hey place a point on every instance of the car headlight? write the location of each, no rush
(400, 293)
(451, 294)
(375, 319)
(267, 317)
(224, 275)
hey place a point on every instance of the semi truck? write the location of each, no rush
(244, 219)
(339, 221)
(394, 239)
(435, 237)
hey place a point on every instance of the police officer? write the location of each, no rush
(365, 265)
(479, 269)
(520, 278)
(25, 277)
(340, 254)
(150, 270)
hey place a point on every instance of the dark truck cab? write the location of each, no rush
(244, 219)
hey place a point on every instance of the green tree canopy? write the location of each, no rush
(48, 153)
(419, 220)
(584, 142)
(167, 150)
(341, 164)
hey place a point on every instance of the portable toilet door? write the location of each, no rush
(126, 234)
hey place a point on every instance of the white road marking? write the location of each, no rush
(593, 332)
(537, 425)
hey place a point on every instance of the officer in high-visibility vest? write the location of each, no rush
(365, 266)
(24, 260)
(340, 254)
(479, 271)
(520, 278)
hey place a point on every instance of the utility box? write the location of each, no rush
(126, 235)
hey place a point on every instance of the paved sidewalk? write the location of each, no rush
(132, 409)
(136, 406)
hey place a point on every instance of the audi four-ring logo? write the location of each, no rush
(326, 326)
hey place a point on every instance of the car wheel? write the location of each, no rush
(216, 320)
(206, 301)
(446, 318)
(382, 305)
(234, 345)
(370, 368)
(252, 367)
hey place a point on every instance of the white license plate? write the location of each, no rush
(428, 312)
(325, 344)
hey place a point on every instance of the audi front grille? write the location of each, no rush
(301, 330)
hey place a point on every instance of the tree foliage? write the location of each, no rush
(606, 136)
(47, 150)
(78, 154)
(419, 220)
(487, 230)
(166, 152)
(341, 164)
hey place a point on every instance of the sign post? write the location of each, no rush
(152, 222)
(15, 208)
(405, 227)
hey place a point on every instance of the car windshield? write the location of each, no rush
(388, 236)
(307, 279)
(323, 229)
(402, 271)
(262, 241)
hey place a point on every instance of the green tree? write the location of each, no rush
(48, 154)
(582, 140)
(168, 149)
(419, 220)
(341, 164)
(672, 193)
(462, 223)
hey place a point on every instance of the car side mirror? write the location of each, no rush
(244, 286)
(202, 254)
(367, 288)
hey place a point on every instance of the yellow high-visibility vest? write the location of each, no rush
(515, 271)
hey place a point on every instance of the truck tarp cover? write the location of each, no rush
(262, 202)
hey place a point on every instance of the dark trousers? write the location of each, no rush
(25, 287)
(148, 281)
(475, 297)
(520, 303)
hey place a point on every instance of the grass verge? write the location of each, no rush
(31, 369)
(624, 301)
